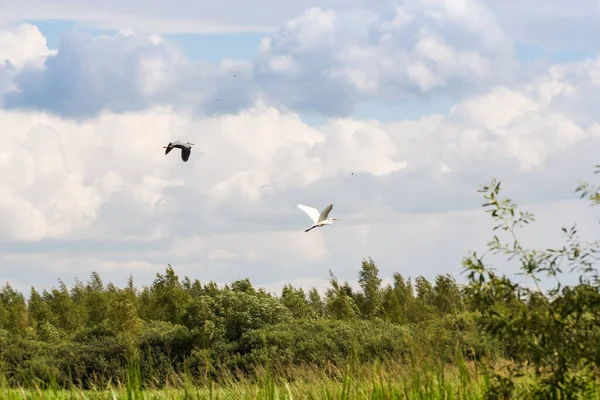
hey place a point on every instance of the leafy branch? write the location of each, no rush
(549, 328)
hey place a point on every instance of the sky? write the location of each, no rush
(394, 111)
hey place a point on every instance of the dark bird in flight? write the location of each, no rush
(186, 149)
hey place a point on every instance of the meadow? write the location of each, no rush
(413, 339)
(426, 381)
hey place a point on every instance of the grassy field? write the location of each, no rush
(389, 381)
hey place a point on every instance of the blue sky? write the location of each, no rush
(423, 101)
(217, 46)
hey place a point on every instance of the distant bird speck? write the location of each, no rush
(186, 149)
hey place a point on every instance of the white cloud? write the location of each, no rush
(88, 186)
(344, 56)
(555, 26)
(115, 73)
(230, 212)
(323, 60)
(21, 47)
(497, 109)
(81, 178)
(358, 146)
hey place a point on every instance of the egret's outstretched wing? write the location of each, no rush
(169, 148)
(325, 212)
(312, 212)
(185, 153)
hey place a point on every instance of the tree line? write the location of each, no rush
(87, 331)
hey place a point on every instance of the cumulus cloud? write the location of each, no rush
(87, 184)
(21, 47)
(329, 59)
(553, 26)
(231, 210)
(120, 73)
(324, 61)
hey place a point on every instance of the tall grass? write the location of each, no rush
(418, 378)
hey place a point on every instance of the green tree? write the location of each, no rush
(295, 301)
(339, 301)
(38, 310)
(371, 299)
(15, 310)
(65, 312)
(446, 295)
(390, 306)
(96, 301)
(243, 286)
(316, 303)
(166, 299)
(239, 312)
(555, 330)
(422, 307)
(122, 313)
(405, 297)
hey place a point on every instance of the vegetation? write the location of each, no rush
(177, 338)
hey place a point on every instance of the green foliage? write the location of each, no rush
(309, 342)
(295, 300)
(421, 380)
(340, 302)
(13, 311)
(87, 334)
(369, 301)
(555, 331)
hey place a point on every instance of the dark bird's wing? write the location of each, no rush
(185, 153)
(169, 148)
(325, 212)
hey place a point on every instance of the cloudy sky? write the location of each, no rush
(424, 100)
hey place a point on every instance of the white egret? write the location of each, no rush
(186, 149)
(319, 219)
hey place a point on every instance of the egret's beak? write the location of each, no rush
(335, 219)
(164, 147)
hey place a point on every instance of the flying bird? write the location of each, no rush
(186, 149)
(319, 219)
